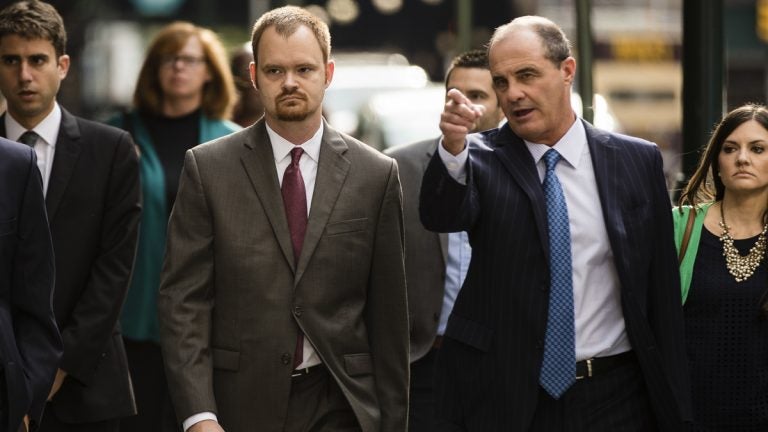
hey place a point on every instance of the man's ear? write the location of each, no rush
(252, 71)
(63, 65)
(329, 68)
(568, 66)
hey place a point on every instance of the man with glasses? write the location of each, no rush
(91, 185)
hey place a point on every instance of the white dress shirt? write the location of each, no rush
(45, 146)
(281, 149)
(599, 320)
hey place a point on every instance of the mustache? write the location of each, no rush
(291, 93)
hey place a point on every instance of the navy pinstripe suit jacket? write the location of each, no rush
(489, 365)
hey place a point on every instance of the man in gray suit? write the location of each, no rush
(436, 264)
(282, 300)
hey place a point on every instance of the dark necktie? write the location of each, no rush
(558, 369)
(29, 138)
(295, 202)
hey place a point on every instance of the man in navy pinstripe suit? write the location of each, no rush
(30, 344)
(631, 372)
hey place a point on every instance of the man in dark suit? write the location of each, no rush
(282, 300)
(570, 316)
(30, 346)
(436, 264)
(92, 194)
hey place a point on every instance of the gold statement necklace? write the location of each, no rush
(741, 266)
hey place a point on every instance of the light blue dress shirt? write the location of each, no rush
(457, 264)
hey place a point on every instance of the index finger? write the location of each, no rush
(457, 97)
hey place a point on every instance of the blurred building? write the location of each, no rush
(107, 37)
(637, 48)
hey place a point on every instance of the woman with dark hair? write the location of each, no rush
(183, 97)
(722, 247)
(248, 108)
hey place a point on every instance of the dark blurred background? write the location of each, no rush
(637, 48)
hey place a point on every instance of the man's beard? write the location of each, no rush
(295, 111)
(292, 114)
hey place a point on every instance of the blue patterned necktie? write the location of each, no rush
(558, 369)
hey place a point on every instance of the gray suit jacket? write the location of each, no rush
(232, 301)
(425, 251)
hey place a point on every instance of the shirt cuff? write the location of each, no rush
(456, 165)
(197, 418)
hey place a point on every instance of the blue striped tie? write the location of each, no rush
(558, 369)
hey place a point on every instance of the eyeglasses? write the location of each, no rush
(184, 60)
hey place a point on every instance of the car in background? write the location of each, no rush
(359, 76)
(385, 101)
(403, 116)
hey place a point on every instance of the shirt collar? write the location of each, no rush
(281, 146)
(47, 129)
(570, 146)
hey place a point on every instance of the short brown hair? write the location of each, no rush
(32, 19)
(286, 20)
(473, 59)
(219, 94)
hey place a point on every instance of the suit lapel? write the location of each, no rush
(259, 164)
(604, 153)
(332, 171)
(68, 148)
(515, 157)
(443, 237)
(65, 157)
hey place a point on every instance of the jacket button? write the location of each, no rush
(297, 311)
(285, 358)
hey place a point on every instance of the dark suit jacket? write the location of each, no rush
(232, 300)
(425, 251)
(494, 345)
(93, 204)
(30, 346)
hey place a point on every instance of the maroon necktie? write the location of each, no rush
(295, 202)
